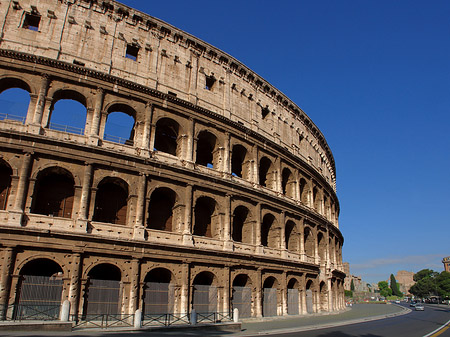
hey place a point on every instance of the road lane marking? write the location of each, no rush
(439, 330)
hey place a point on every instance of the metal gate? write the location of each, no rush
(102, 297)
(309, 301)
(242, 299)
(204, 298)
(270, 302)
(39, 298)
(158, 298)
(293, 302)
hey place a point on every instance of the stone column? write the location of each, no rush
(83, 212)
(16, 214)
(228, 243)
(74, 288)
(40, 104)
(303, 296)
(258, 245)
(255, 165)
(226, 290)
(282, 220)
(96, 116)
(185, 277)
(258, 293)
(149, 108)
(302, 240)
(284, 296)
(189, 155)
(134, 286)
(5, 279)
(226, 155)
(187, 234)
(139, 228)
(279, 177)
(330, 296)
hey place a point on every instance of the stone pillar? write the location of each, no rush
(228, 243)
(40, 104)
(134, 286)
(284, 296)
(303, 296)
(282, 220)
(330, 296)
(96, 116)
(258, 228)
(187, 234)
(74, 287)
(5, 279)
(226, 155)
(185, 277)
(139, 228)
(83, 212)
(16, 214)
(279, 177)
(302, 240)
(189, 155)
(255, 165)
(258, 294)
(145, 144)
(226, 290)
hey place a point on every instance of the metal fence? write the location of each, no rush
(214, 317)
(116, 139)
(10, 117)
(105, 321)
(165, 319)
(66, 128)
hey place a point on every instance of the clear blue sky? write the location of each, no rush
(375, 78)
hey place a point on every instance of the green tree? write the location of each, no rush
(443, 284)
(352, 286)
(427, 283)
(395, 287)
(385, 291)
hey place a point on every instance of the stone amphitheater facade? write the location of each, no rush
(225, 186)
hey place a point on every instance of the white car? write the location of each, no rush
(420, 307)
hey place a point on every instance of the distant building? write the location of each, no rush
(446, 262)
(405, 280)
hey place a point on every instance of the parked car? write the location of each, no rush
(419, 306)
(397, 301)
(412, 303)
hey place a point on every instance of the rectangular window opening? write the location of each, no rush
(132, 52)
(31, 22)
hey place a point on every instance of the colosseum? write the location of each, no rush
(222, 194)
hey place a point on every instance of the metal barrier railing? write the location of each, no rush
(117, 139)
(42, 312)
(10, 117)
(165, 319)
(66, 128)
(214, 317)
(104, 321)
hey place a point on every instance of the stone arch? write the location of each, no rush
(54, 192)
(293, 296)
(270, 231)
(288, 183)
(270, 296)
(310, 296)
(241, 295)
(159, 292)
(322, 245)
(309, 242)
(120, 123)
(167, 136)
(292, 237)
(316, 199)
(266, 173)
(207, 150)
(6, 173)
(304, 191)
(242, 226)
(323, 295)
(111, 201)
(68, 111)
(240, 166)
(103, 290)
(14, 81)
(204, 292)
(15, 98)
(40, 285)
(160, 209)
(205, 212)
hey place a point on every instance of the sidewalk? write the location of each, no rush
(358, 313)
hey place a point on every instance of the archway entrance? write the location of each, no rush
(242, 295)
(270, 303)
(293, 297)
(204, 297)
(39, 291)
(158, 292)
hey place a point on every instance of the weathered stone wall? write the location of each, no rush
(283, 227)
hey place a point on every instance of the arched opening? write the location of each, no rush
(242, 230)
(206, 146)
(309, 242)
(39, 290)
(265, 173)
(166, 136)
(204, 296)
(237, 161)
(203, 217)
(111, 202)
(159, 292)
(53, 193)
(287, 183)
(5, 184)
(322, 243)
(102, 294)
(309, 297)
(270, 232)
(293, 297)
(270, 300)
(120, 124)
(316, 199)
(303, 192)
(242, 295)
(323, 297)
(160, 209)
(14, 100)
(292, 237)
(68, 112)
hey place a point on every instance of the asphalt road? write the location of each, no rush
(414, 324)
